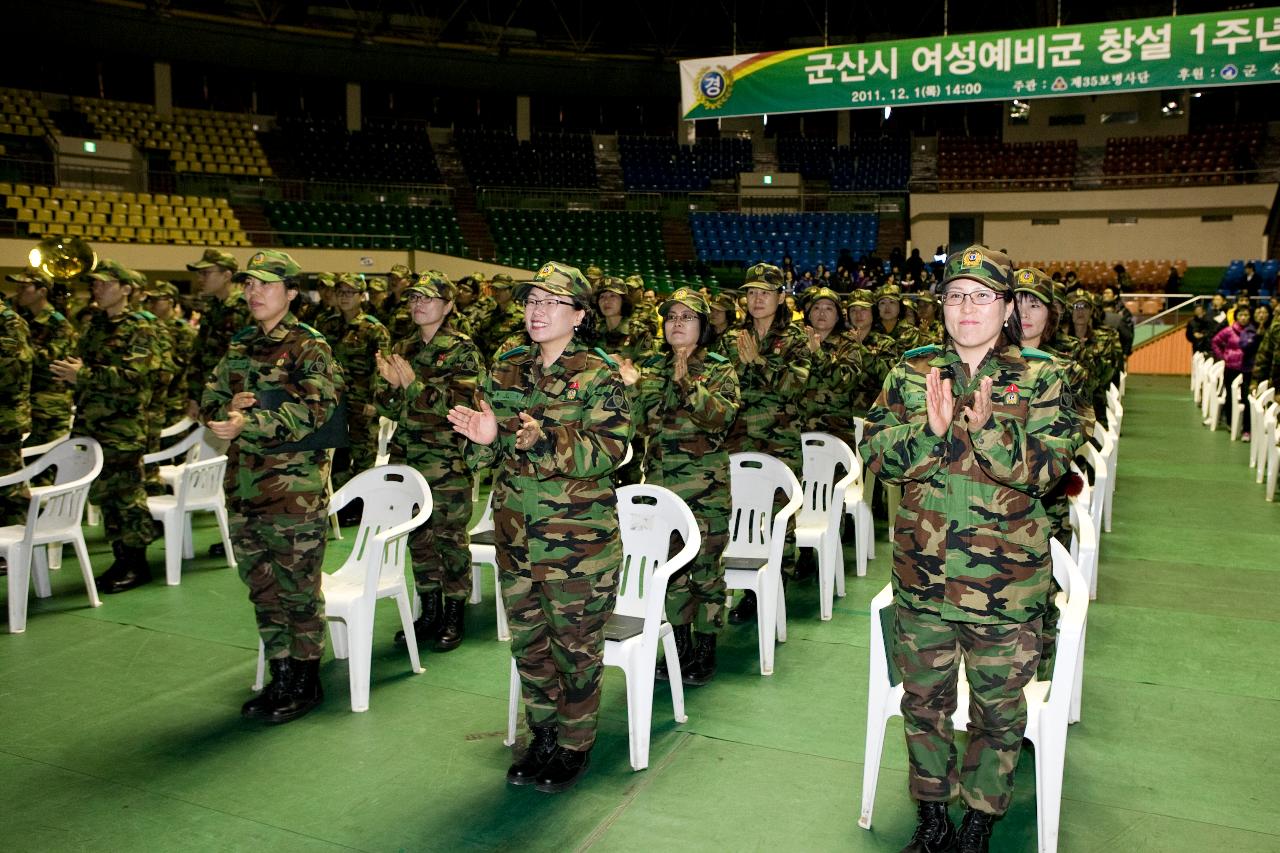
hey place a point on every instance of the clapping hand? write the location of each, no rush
(480, 427)
(977, 415)
(748, 349)
(940, 404)
(529, 433)
(628, 371)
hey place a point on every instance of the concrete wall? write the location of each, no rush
(171, 261)
(1169, 223)
(1093, 133)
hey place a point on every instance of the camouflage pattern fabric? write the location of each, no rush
(292, 363)
(971, 541)
(772, 389)
(686, 422)
(16, 357)
(557, 640)
(182, 343)
(498, 326)
(52, 338)
(113, 390)
(395, 315)
(1266, 363)
(120, 493)
(556, 525)
(222, 319)
(631, 339)
(1000, 660)
(474, 316)
(447, 371)
(835, 378)
(279, 558)
(356, 344)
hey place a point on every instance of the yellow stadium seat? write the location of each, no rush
(41, 192)
(127, 233)
(153, 220)
(6, 188)
(26, 214)
(135, 220)
(110, 232)
(79, 217)
(22, 189)
(98, 218)
(58, 215)
(52, 230)
(144, 235)
(145, 198)
(75, 230)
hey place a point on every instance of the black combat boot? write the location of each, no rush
(703, 668)
(745, 611)
(260, 706)
(935, 833)
(542, 746)
(301, 692)
(564, 770)
(975, 831)
(134, 571)
(113, 571)
(684, 652)
(426, 626)
(455, 623)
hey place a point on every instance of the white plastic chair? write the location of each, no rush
(1084, 540)
(757, 537)
(1258, 403)
(1273, 460)
(1237, 406)
(1270, 416)
(1198, 364)
(42, 449)
(1111, 455)
(71, 459)
(177, 428)
(53, 518)
(199, 489)
(1215, 395)
(485, 553)
(1048, 702)
(818, 520)
(647, 516)
(1098, 491)
(196, 445)
(857, 502)
(1115, 409)
(396, 501)
(386, 429)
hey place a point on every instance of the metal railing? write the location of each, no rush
(1034, 183)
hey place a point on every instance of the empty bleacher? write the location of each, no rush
(968, 163)
(385, 151)
(1145, 275)
(494, 158)
(1266, 270)
(654, 163)
(809, 238)
(115, 216)
(867, 163)
(320, 224)
(22, 113)
(1214, 155)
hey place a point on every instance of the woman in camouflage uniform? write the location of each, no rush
(835, 366)
(688, 397)
(620, 335)
(976, 431)
(554, 420)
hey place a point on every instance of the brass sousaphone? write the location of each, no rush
(64, 258)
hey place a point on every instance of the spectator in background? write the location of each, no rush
(1201, 329)
(1174, 282)
(1116, 314)
(1229, 346)
(1249, 286)
(913, 267)
(1262, 318)
(1218, 313)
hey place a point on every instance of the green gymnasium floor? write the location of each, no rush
(121, 729)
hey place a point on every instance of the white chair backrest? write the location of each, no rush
(396, 500)
(754, 479)
(1073, 606)
(201, 481)
(72, 459)
(386, 429)
(1084, 538)
(181, 452)
(177, 428)
(824, 456)
(42, 449)
(1098, 491)
(55, 511)
(647, 516)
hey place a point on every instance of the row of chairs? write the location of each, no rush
(1210, 391)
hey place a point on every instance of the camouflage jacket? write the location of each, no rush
(1077, 379)
(835, 371)
(971, 539)
(292, 372)
(773, 388)
(1100, 357)
(1266, 364)
(447, 372)
(557, 496)
(396, 316)
(221, 320)
(355, 345)
(161, 376)
(632, 339)
(686, 422)
(903, 337)
(498, 326)
(113, 389)
(16, 357)
(181, 345)
(52, 338)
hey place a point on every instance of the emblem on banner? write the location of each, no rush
(714, 87)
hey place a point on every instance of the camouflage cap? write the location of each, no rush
(433, 284)
(162, 290)
(1060, 292)
(926, 296)
(377, 283)
(612, 284)
(215, 258)
(985, 266)
(724, 301)
(353, 280)
(560, 279)
(1078, 294)
(1035, 282)
(109, 270)
(763, 276)
(325, 279)
(268, 266)
(813, 294)
(635, 280)
(689, 298)
(400, 271)
(31, 275)
(502, 280)
(860, 297)
(137, 278)
(888, 291)
(593, 273)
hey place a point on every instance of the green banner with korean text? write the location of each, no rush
(1185, 51)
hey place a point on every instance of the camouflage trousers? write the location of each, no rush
(362, 432)
(440, 548)
(50, 418)
(695, 596)
(557, 640)
(120, 494)
(999, 661)
(280, 559)
(15, 499)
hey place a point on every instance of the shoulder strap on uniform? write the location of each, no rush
(513, 352)
(57, 316)
(1032, 352)
(652, 361)
(247, 332)
(607, 360)
(311, 330)
(927, 349)
(145, 315)
(717, 357)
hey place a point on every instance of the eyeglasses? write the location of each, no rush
(977, 297)
(544, 303)
(681, 318)
(259, 283)
(347, 293)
